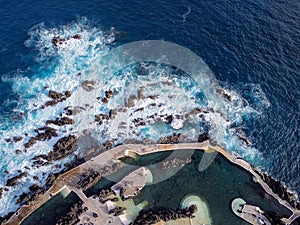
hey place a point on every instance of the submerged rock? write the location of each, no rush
(18, 151)
(88, 85)
(72, 217)
(131, 101)
(224, 94)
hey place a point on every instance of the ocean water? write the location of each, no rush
(251, 47)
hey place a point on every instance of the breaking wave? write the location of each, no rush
(145, 100)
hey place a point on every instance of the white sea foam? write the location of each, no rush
(59, 68)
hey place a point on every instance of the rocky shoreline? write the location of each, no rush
(280, 189)
(66, 145)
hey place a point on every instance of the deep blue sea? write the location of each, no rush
(251, 47)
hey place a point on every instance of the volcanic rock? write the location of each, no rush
(16, 139)
(68, 94)
(61, 121)
(50, 180)
(77, 36)
(34, 195)
(62, 147)
(95, 215)
(12, 181)
(34, 187)
(107, 145)
(21, 198)
(54, 94)
(47, 134)
(92, 177)
(203, 137)
(105, 195)
(169, 119)
(58, 41)
(101, 118)
(18, 151)
(104, 100)
(109, 94)
(175, 138)
(153, 97)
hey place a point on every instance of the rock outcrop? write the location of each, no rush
(57, 40)
(92, 177)
(56, 98)
(175, 138)
(12, 181)
(62, 148)
(153, 217)
(43, 134)
(61, 121)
